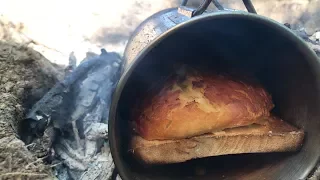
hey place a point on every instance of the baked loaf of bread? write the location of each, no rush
(198, 103)
(272, 135)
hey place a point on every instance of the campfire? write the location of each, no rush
(73, 115)
(66, 128)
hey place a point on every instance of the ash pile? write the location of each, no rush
(70, 123)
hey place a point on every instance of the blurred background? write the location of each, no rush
(55, 28)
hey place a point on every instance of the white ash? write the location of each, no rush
(102, 161)
(88, 155)
(97, 131)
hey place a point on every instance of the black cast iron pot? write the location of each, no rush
(282, 61)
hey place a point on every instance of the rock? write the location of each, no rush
(317, 35)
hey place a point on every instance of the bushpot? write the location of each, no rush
(285, 65)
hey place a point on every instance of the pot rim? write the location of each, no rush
(314, 62)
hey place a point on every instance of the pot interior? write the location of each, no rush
(287, 69)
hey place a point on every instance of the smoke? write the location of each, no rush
(60, 27)
(112, 35)
(80, 26)
(117, 34)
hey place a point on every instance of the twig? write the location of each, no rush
(23, 174)
(10, 162)
(32, 144)
(57, 164)
(36, 161)
(76, 134)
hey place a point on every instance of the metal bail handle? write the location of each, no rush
(205, 4)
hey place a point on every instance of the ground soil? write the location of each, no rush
(25, 77)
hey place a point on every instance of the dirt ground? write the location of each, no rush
(25, 77)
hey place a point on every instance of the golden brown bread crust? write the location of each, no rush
(199, 104)
(274, 135)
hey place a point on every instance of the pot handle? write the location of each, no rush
(204, 5)
(248, 4)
